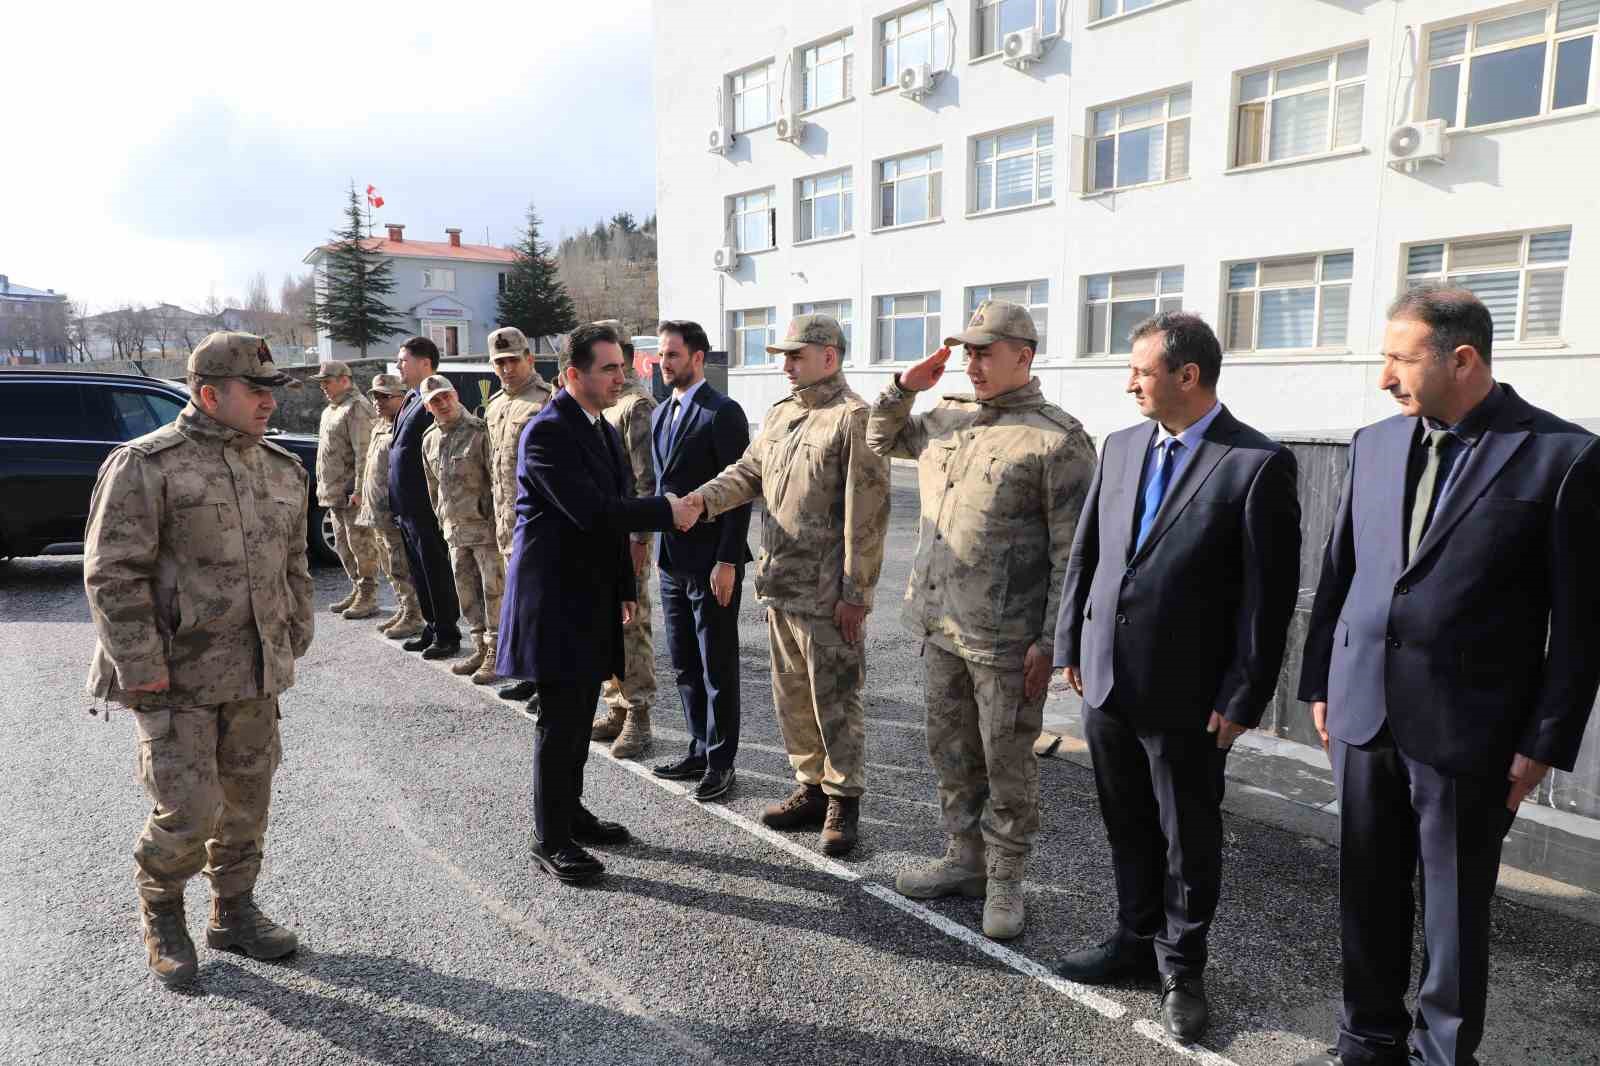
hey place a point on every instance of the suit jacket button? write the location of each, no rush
(1122, 619)
(1394, 642)
(1402, 590)
(1130, 572)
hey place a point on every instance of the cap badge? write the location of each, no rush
(262, 354)
(502, 342)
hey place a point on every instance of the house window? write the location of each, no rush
(1115, 303)
(827, 72)
(1013, 169)
(752, 331)
(755, 221)
(1520, 277)
(993, 19)
(1104, 9)
(439, 280)
(921, 35)
(1034, 295)
(1141, 141)
(826, 205)
(1300, 302)
(908, 327)
(500, 280)
(839, 309)
(1302, 109)
(1514, 66)
(908, 189)
(751, 92)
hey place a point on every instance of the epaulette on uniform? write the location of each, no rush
(281, 450)
(157, 440)
(1055, 414)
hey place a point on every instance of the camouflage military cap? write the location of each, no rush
(507, 340)
(810, 329)
(433, 385)
(996, 320)
(331, 368)
(236, 355)
(388, 385)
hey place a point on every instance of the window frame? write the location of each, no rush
(1159, 297)
(736, 92)
(429, 277)
(1319, 286)
(1039, 153)
(846, 319)
(1523, 267)
(735, 218)
(877, 356)
(1044, 11)
(1167, 120)
(1333, 85)
(847, 60)
(971, 300)
(935, 197)
(1550, 38)
(846, 195)
(737, 329)
(887, 75)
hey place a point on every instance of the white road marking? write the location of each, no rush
(1152, 1031)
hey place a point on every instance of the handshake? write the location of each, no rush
(686, 510)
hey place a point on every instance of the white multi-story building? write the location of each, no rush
(1283, 167)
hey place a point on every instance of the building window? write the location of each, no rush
(1521, 277)
(993, 19)
(1301, 302)
(1104, 9)
(1140, 141)
(908, 327)
(908, 189)
(1034, 295)
(1515, 66)
(1305, 108)
(1115, 303)
(500, 281)
(826, 205)
(1013, 169)
(827, 72)
(439, 280)
(920, 35)
(839, 309)
(751, 93)
(752, 331)
(755, 221)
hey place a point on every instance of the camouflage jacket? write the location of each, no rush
(630, 417)
(826, 498)
(455, 460)
(505, 416)
(373, 485)
(1002, 482)
(342, 447)
(195, 567)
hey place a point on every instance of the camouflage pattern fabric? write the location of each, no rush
(505, 416)
(356, 546)
(395, 565)
(480, 573)
(342, 439)
(373, 484)
(638, 686)
(816, 690)
(455, 461)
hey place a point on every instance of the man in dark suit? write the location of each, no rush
(1174, 613)
(696, 434)
(570, 587)
(426, 550)
(1449, 664)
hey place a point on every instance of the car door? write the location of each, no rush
(53, 453)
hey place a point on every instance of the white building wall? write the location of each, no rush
(1525, 175)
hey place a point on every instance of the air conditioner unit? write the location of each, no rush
(791, 127)
(1022, 47)
(719, 139)
(725, 259)
(917, 80)
(1418, 142)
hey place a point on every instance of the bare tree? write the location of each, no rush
(80, 330)
(128, 329)
(258, 305)
(165, 325)
(295, 298)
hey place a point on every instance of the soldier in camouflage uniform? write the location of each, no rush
(372, 509)
(1002, 475)
(195, 570)
(827, 510)
(342, 440)
(522, 395)
(455, 459)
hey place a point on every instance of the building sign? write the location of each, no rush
(441, 312)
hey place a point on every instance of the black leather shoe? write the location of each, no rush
(588, 829)
(421, 642)
(442, 650)
(687, 768)
(1330, 1059)
(520, 691)
(1118, 959)
(530, 710)
(1183, 1006)
(571, 865)
(715, 783)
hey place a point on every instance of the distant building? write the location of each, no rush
(33, 324)
(134, 332)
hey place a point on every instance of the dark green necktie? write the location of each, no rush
(1422, 502)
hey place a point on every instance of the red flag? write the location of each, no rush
(372, 196)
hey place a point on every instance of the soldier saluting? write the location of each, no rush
(195, 569)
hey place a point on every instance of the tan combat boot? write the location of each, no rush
(365, 605)
(470, 664)
(959, 873)
(237, 924)
(635, 735)
(394, 616)
(606, 726)
(841, 827)
(484, 674)
(338, 606)
(408, 625)
(1003, 910)
(168, 949)
(803, 808)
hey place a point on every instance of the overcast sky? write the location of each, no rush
(162, 152)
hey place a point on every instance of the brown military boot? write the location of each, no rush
(365, 605)
(606, 726)
(237, 924)
(635, 735)
(804, 808)
(470, 664)
(840, 828)
(394, 616)
(484, 674)
(1003, 910)
(408, 625)
(168, 949)
(338, 606)
(959, 873)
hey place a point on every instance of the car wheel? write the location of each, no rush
(320, 537)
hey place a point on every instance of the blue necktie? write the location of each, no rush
(1155, 490)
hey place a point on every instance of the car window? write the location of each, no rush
(43, 410)
(136, 412)
(473, 388)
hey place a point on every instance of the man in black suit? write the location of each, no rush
(426, 550)
(1451, 661)
(695, 435)
(570, 587)
(1174, 613)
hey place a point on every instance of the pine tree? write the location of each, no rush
(534, 299)
(350, 303)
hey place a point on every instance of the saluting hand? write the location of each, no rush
(926, 374)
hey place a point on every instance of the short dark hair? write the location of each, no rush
(423, 348)
(1185, 339)
(198, 381)
(1454, 316)
(580, 345)
(691, 333)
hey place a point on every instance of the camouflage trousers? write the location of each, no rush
(981, 731)
(638, 685)
(816, 690)
(392, 554)
(209, 771)
(480, 573)
(357, 547)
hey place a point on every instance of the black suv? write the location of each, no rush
(56, 429)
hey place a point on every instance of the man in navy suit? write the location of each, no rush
(426, 550)
(1174, 613)
(570, 586)
(1450, 662)
(695, 435)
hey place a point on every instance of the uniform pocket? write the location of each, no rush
(152, 725)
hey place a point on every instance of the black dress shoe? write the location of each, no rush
(1183, 1006)
(715, 783)
(1118, 959)
(530, 710)
(447, 649)
(685, 769)
(520, 691)
(421, 642)
(587, 829)
(571, 865)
